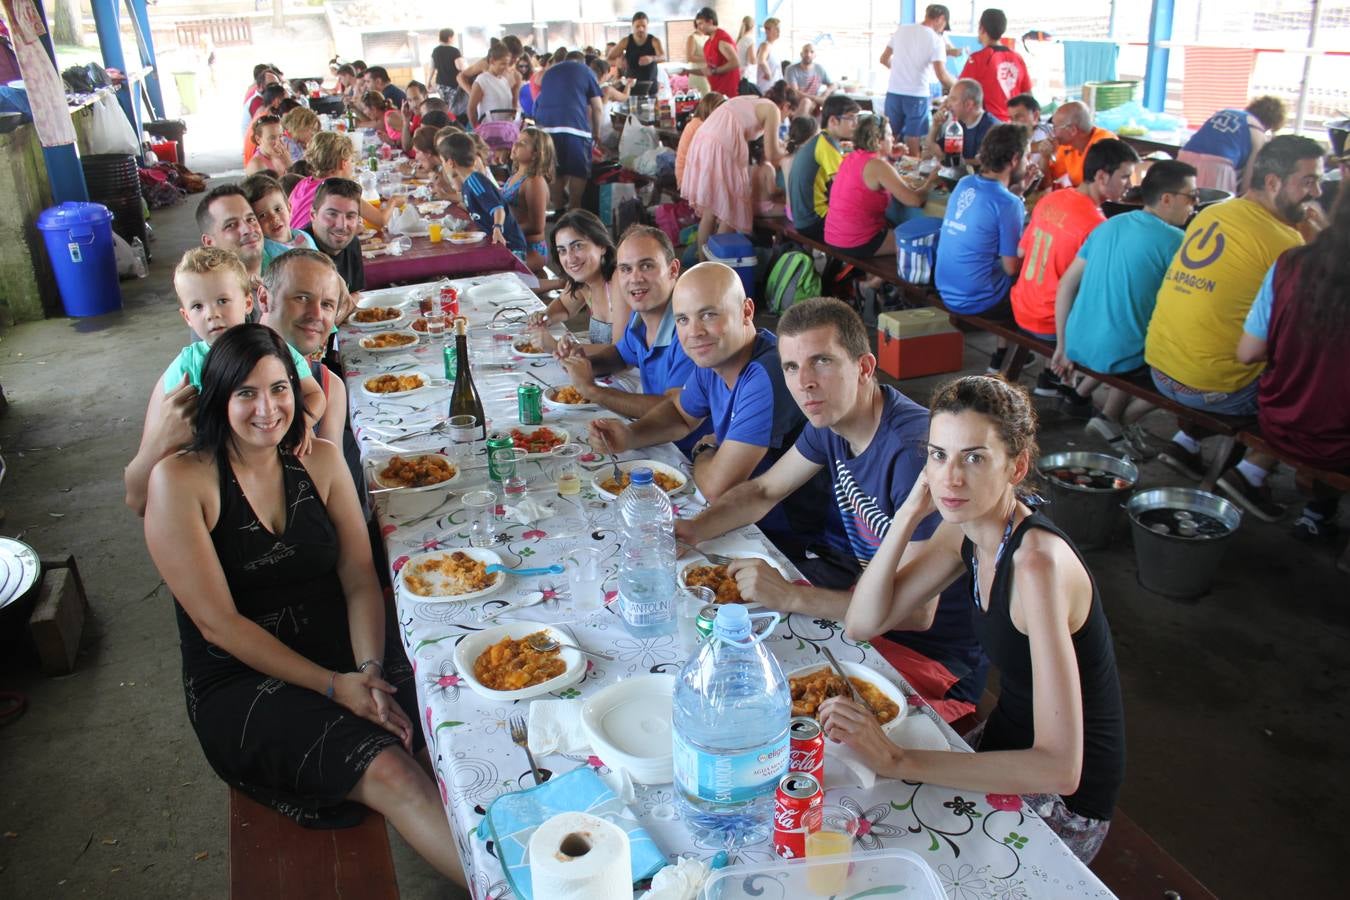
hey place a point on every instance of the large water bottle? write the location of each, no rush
(732, 708)
(647, 572)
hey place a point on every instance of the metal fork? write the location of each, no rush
(521, 738)
(716, 559)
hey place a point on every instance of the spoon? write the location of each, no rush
(545, 644)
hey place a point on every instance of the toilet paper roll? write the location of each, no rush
(576, 855)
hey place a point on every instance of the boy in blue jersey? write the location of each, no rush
(870, 440)
(738, 386)
(482, 198)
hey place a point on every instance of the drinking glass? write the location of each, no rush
(836, 842)
(435, 323)
(566, 472)
(482, 518)
(585, 579)
(501, 332)
(510, 463)
(688, 602)
(463, 435)
(434, 232)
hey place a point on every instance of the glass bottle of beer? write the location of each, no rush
(464, 399)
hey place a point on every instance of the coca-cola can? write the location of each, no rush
(808, 747)
(798, 805)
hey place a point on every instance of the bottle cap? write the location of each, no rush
(640, 475)
(732, 622)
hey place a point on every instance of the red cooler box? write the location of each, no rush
(912, 343)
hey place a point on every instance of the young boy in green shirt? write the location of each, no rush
(214, 294)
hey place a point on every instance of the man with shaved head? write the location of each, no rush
(1073, 133)
(738, 386)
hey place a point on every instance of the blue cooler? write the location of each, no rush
(734, 250)
(80, 246)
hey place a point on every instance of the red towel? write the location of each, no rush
(929, 677)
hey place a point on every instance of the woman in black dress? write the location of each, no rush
(1057, 735)
(281, 619)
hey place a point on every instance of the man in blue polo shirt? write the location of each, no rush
(978, 256)
(737, 386)
(645, 271)
(870, 440)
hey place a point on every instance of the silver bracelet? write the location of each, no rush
(371, 662)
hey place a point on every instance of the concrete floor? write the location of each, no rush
(1235, 705)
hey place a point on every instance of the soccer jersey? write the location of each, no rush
(1059, 225)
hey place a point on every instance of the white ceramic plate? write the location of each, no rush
(378, 465)
(527, 429)
(883, 684)
(402, 348)
(395, 395)
(433, 207)
(564, 407)
(481, 554)
(393, 296)
(383, 325)
(629, 724)
(606, 471)
(469, 649)
(515, 347)
(496, 289)
(739, 554)
(465, 237)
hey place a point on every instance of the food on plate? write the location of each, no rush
(386, 340)
(449, 575)
(529, 347)
(665, 482)
(814, 688)
(377, 314)
(416, 471)
(541, 440)
(394, 384)
(512, 664)
(717, 580)
(568, 395)
(463, 235)
(419, 324)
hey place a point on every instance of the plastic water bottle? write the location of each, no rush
(730, 745)
(647, 574)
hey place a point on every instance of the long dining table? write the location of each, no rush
(979, 845)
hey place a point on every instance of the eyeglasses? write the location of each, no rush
(1193, 197)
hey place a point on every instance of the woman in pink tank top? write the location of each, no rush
(866, 181)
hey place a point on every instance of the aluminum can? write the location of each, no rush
(499, 440)
(798, 806)
(529, 407)
(704, 622)
(450, 301)
(807, 752)
(451, 361)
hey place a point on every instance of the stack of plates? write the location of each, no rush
(629, 725)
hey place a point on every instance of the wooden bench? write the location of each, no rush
(273, 857)
(1135, 867)
(1230, 429)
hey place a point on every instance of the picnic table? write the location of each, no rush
(980, 846)
(426, 261)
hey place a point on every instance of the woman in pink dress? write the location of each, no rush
(717, 173)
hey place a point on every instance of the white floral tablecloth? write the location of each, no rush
(980, 846)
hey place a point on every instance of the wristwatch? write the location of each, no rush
(702, 447)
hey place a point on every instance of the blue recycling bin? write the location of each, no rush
(80, 246)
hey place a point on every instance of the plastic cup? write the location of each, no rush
(503, 354)
(463, 436)
(435, 324)
(510, 462)
(688, 602)
(826, 880)
(482, 518)
(566, 472)
(585, 579)
(434, 232)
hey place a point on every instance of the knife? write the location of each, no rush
(853, 692)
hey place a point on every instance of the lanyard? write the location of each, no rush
(998, 555)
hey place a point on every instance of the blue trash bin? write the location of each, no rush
(80, 246)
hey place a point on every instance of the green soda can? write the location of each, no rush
(528, 404)
(451, 361)
(497, 470)
(704, 622)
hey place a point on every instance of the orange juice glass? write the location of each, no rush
(434, 232)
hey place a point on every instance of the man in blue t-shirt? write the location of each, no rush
(645, 271)
(568, 108)
(738, 387)
(482, 198)
(871, 441)
(1106, 298)
(978, 255)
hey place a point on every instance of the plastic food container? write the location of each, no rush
(883, 872)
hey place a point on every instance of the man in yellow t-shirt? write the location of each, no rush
(1192, 343)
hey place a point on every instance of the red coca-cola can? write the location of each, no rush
(807, 753)
(450, 301)
(798, 806)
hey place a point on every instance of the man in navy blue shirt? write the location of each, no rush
(870, 439)
(645, 272)
(737, 386)
(379, 81)
(568, 108)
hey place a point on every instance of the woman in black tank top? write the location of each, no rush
(1058, 738)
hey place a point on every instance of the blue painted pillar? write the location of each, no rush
(106, 23)
(64, 172)
(908, 12)
(1155, 68)
(147, 48)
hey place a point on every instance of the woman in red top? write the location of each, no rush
(724, 66)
